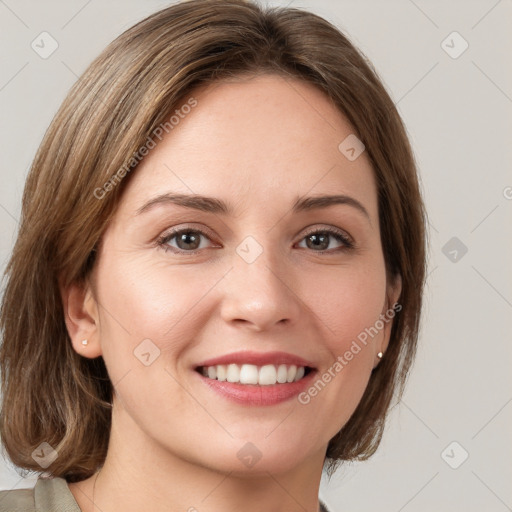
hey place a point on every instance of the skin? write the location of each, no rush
(256, 143)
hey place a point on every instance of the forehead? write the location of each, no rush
(261, 140)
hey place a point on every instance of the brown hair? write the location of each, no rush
(50, 393)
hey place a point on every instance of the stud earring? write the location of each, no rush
(379, 355)
(84, 342)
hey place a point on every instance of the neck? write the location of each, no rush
(139, 474)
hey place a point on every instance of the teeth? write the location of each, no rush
(233, 373)
(248, 374)
(290, 375)
(282, 373)
(221, 372)
(267, 375)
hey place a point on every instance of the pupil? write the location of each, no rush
(185, 239)
(317, 238)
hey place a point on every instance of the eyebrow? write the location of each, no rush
(217, 206)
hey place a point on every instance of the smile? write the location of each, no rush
(266, 375)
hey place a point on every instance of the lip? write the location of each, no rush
(256, 395)
(257, 358)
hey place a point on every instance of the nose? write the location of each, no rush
(261, 294)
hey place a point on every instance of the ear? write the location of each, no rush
(391, 308)
(82, 319)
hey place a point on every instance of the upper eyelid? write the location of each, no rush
(188, 226)
(315, 228)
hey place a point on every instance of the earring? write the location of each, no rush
(84, 342)
(379, 355)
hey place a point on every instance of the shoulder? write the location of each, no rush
(17, 500)
(48, 495)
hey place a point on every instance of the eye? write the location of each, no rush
(187, 240)
(320, 239)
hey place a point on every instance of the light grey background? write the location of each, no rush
(458, 113)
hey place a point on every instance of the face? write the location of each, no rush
(262, 285)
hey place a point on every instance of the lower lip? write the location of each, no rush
(252, 394)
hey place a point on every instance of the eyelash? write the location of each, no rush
(338, 235)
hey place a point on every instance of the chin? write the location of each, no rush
(256, 456)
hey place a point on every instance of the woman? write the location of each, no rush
(216, 288)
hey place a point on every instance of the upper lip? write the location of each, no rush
(257, 358)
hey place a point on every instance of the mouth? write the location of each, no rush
(251, 374)
(256, 378)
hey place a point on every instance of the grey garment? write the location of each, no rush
(323, 508)
(48, 495)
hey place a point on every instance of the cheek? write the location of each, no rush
(145, 300)
(349, 306)
(348, 301)
(146, 323)
(148, 297)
